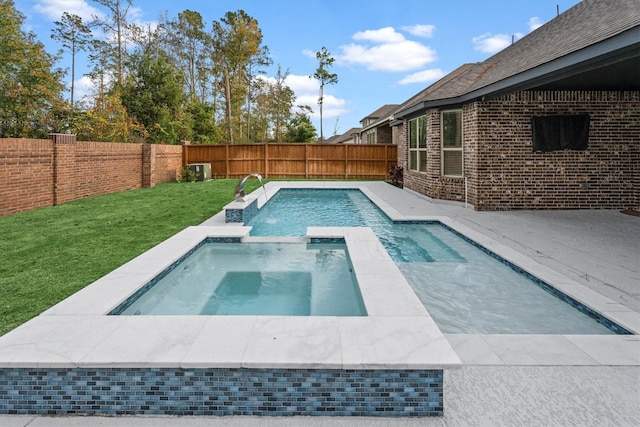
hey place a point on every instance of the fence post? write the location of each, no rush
(346, 161)
(266, 160)
(306, 161)
(185, 153)
(226, 160)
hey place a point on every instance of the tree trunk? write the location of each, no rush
(227, 89)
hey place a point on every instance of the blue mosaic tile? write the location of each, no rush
(331, 240)
(233, 215)
(243, 215)
(219, 392)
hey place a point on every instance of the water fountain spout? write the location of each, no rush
(240, 187)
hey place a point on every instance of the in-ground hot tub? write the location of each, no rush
(292, 278)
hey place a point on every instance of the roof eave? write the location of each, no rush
(622, 46)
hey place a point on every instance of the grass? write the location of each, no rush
(50, 253)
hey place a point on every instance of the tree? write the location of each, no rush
(148, 36)
(282, 98)
(116, 25)
(108, 121)
(204, 128)
(325, 61)
(153, 96)
(237, 39)
(300, 128)
(261, 59)
(74, 36)
(31, 100)
(261, 100)
(188, 42)
(100, 53)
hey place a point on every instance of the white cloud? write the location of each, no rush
(307, 91)
(53, 9)
(331, 106)
(420, 30)
(399, 56)
(385, 49)
(383, 35)
(423, 76)
(308, 52)
(491, 43)
(302, 84)
(82, 87)
(534, 23)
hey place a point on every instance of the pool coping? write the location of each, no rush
(397, 334)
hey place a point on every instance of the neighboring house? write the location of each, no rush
(570, 89)
(352, 136)
(375, 127)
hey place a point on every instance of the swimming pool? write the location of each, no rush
(464, 287)
(262, 278)
(299, 365)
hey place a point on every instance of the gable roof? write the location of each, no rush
(382, 115)
(381, 112)
(340, 139)
(572, 51)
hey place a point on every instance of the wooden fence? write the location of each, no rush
(303, 161)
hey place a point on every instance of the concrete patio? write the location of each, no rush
(549, 380)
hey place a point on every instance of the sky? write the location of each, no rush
(385, 51)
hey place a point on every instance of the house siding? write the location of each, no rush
(505, 174)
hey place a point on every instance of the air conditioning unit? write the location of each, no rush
(201, 170)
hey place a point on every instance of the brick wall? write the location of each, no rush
(503, 171)
(167, 162)
(102, 168)
(26, 174)
(39, 173)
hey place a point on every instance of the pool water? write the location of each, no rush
(464, 288)
(285, 279)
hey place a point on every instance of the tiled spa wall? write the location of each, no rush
(221, 391)
(241, 215)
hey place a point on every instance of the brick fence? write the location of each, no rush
(36, 173)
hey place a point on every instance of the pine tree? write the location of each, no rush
(74, 36)
(325, 60)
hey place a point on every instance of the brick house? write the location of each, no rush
(502, 133)
(375, 127)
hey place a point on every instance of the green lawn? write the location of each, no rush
(50, 253)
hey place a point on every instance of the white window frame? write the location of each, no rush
(451, 149)
(419, 151)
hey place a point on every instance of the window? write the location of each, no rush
(372, 136)
(452, 143)
(418, 144)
